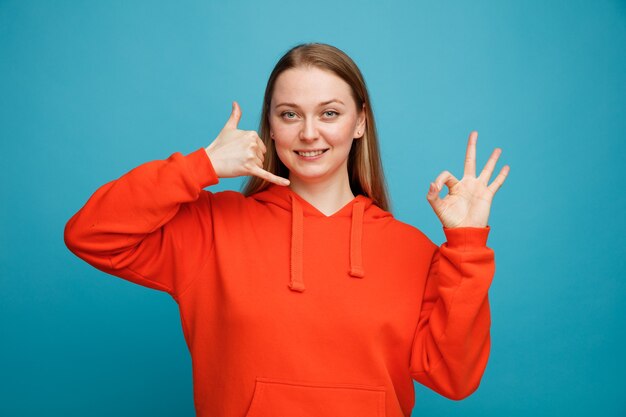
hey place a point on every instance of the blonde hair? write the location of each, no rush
(365, 169)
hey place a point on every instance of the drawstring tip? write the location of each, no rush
(296, 286)
(357, 272)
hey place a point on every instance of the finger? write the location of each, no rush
(433, 195)
(256, 144)
(446, 178)
(258, 161)
(497, 183)
(489, 166)
(261, 144)
(260, 172)
(470, 155)
(235, 116)
(434, 200)
(259, 154)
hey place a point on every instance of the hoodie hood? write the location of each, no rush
(359, 208)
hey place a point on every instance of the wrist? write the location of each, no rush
(213, 161)
(202, 167)
(466, 237)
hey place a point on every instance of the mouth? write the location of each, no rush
(311, 153)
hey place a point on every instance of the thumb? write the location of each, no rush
(235, 116)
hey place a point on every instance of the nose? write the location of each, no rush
(309, 130)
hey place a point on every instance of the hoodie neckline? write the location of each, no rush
(310, 209)
(286, 198)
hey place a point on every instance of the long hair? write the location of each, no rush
(365, 169)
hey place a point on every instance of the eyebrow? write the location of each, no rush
(321, 104)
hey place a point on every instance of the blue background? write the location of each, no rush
(90, 90)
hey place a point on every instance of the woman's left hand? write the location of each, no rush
(469, 200)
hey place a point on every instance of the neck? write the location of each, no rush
(328, 196)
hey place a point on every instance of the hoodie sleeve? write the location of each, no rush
(452, 341)
(152, 225)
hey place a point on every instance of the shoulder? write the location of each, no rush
(223, 201)
(412, 234)
(400, 232)
(224, 196)
(230, 203)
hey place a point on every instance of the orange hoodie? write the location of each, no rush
(288, 312)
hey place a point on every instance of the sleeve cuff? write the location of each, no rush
(464, 238)
(202, 167)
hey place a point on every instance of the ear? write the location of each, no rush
(361, 123)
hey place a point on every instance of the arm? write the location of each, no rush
(452, 342)
(151, 226)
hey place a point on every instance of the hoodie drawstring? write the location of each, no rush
(356, 234)
(297, 232)
(296, 284)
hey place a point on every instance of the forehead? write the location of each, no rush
(310, 86)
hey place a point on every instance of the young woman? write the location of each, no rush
(303, 296)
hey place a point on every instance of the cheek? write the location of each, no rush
(282, 144)
(338, 135)
(283, 133)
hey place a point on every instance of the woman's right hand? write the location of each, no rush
(237, 152)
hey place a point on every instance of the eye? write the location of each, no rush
(331, 111)
(287, 112)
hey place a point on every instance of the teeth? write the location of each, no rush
(310, 153)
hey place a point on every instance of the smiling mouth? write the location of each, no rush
(311, 153)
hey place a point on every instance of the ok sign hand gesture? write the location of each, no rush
(469, 200)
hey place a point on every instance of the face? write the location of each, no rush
(312, 111)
